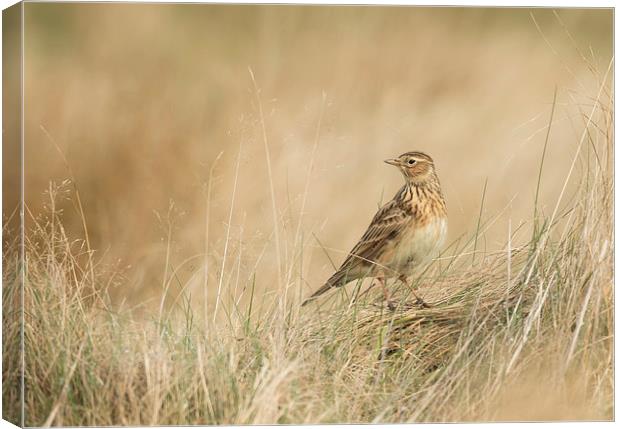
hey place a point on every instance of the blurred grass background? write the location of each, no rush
(142, 99)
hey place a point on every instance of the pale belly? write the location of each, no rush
(419, 246)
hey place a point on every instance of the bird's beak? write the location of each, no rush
(393, 161)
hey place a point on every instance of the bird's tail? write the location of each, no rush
(336, 280)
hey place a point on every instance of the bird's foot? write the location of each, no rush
(422, 303)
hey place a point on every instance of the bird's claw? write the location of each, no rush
(422, 303)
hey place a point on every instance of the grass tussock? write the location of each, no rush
(525, 333)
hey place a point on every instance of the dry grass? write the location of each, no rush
(521, 326)
(525, 334)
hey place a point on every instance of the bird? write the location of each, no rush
(405, 233)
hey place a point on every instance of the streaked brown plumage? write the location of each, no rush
(405, 232)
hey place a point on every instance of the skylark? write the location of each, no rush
(405, 233)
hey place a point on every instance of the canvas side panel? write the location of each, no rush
(11, 213)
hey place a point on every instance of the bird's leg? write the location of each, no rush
(403, 278)
(381, 281)
(386, 294)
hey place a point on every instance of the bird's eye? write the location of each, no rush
(411, 161)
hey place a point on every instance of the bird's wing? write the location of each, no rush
(388, 223)
(385, 227)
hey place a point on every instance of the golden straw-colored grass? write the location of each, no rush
(180, 207)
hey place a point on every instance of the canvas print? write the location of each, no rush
(220, 214)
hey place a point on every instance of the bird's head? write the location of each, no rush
(417, 167)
